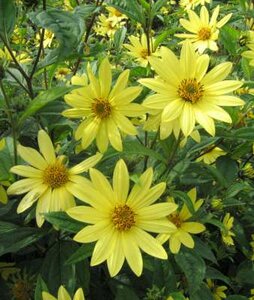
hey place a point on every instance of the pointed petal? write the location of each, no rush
(121, 181)
(46, 147)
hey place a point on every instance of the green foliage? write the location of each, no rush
(7, 17)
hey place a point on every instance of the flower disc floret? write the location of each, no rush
(123, 218)
(190, 90)
(55, 175)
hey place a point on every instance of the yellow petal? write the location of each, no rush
(193, 227)
(121, 181)
(33, 157)
(116, 259)
(46, 147)
(47, 296)
(79, 295)
(63, 294)
(86, 164)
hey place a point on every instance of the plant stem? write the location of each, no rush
(11, 121)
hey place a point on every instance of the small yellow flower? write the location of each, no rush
(103, 109)
(204, 33)
(21, 57)
(249, 54)
(227, 234)
(61, 73)
(64, 295)
(184, 227)
(120, 218)
(48, 38)
(217, 204)
(211, 156)
(186, 93)
(107, 26)
(139, 49)
(191, 4)
(218, 291)
(248, 171)
(115, 14)
(49, 181)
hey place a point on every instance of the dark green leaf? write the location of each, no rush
(80, 254)
(228, 168)
(7, 17)
(204, 250)
(212, 273)
(85, 10)
(62, 221)
(42, 100)
(193, 266)
(237, 297)
(203, 293)
(40, 287)
(186, 200)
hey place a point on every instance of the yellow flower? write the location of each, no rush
(48, 38)
(48, 179)
(211, 156)
(249, 54)
(64, 295)
(248, 171)
(227, 233)
(21, 57)
(121, 218)
(204, 33)
(191, 4)
(115, 14)
(107, 26)
(104, 109)
(61, 73)
(184, 227)
(139, 50)
(218, 291)
(187, 93)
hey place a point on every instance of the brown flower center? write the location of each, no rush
(123, 218)
(204, 34)
(144, 53)
(101, 108)
(175, 219)
(190, 90)
(55, 175)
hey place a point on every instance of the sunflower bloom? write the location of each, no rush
(204, 33)
(184, 227)
(107, 26)
(104, 109)
(138, 49)
(187, 93)
(218, 291)
(210, 156)
(49, 181)
(120, 220)
(64, 295)
(227, 233)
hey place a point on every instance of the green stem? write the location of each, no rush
(11, 121)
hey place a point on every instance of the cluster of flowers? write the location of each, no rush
(184, 94)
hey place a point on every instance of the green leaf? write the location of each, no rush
(186, 200)
(42, 100)
(7, 17)
(228, 168)
(62, 221)
(193, 266)
(40, 287)
(157, 6)
(212, 273)
(216, 175)
(125, 293)
(134, 148)
(85, 10)
(203, 293)
(203, 250)
(54, 270)
(119, 37)
(83, 252)
(237, 297)
(68, 28)
(177, 296)
(229, 37)
(247, 70)
(6, 160)
(13, 238)
(133, 10)
(164, 275)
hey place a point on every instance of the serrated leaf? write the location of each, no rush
(42, 100)
(62, 221)
(193, 266)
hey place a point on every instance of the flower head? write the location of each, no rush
(191, 4)
(227, 233)
(104, 109)
(218, 291)
(204, 33)
(49, 181)
(139, 49)
(64, 295)
(120, 219)
(48, 38)
(249, 54)
(210, 156)
(186, 93)
(184, 227)
(107, 26)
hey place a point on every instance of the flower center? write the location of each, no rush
(123, 217)
(55, 175)
(175, 219)
(204, 34)
(190, 90)
(144, 53)
(101, 108)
